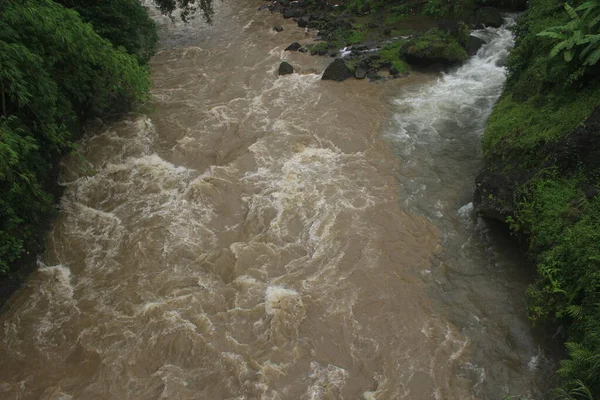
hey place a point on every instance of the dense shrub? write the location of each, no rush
(55, 72)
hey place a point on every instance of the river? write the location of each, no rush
(260, 237)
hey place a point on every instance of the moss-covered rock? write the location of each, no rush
(320, 48)
(434, 47)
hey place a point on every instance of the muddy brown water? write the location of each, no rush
(256, 237)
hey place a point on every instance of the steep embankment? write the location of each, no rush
(542, 152)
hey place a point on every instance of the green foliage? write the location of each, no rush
(435, 8)
(55, 72)
(541, 118)
(123, 22)
(579, 39)
(392, 53)
(320, 48)
(545, 100)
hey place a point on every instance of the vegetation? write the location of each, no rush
(55, 72)
(536, 131)
(435, 46)
(123, 22)
(392, 53)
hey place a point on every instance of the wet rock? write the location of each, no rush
(302, 50)
(285, 69)
(474, 45)
(393, 71)
(337, 71)
(303, 22)
(278, 28)
(360, 73)
(291, 13)
(488, 16)
(293, 47)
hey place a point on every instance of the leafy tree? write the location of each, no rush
(55, 72)
(123, 22)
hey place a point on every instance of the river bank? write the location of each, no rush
(541, 178)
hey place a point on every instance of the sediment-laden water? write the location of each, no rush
(256, 237)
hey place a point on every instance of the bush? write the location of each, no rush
(55, 72)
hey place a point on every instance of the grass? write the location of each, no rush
(523, 125)
(391, 53)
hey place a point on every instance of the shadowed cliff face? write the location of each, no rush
(265, 237)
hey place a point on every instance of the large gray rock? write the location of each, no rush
(488, 16)
(337, 71)
(303, 22)
(360, 73)
(474, 45)
(285, 68)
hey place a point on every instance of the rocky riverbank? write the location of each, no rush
(387, 41)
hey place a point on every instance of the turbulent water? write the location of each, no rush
(256, 237)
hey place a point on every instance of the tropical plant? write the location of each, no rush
(580, 37)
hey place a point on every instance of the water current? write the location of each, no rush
(261, 237)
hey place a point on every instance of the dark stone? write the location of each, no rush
(488, 16)
(285, 68)
(333, 55)
(449, 25)
(360, 73)
(302, 50)
(278, 28)
(337, 71)
(374, 76)
(393, 71)
(303, 22)
(387, 32)
(375, 56)
(291, 13)
(293, 47)
(474, 45)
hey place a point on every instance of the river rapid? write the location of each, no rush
(257, 237)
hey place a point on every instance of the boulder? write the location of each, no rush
(285, 68)
(435, 48)
(393, 71)
(293, 47)
(474, 45)
(291, 13)
(303, 22)
(360, 73)
(488, 16)
(337, 71)
(302, 50)
(278, 28)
